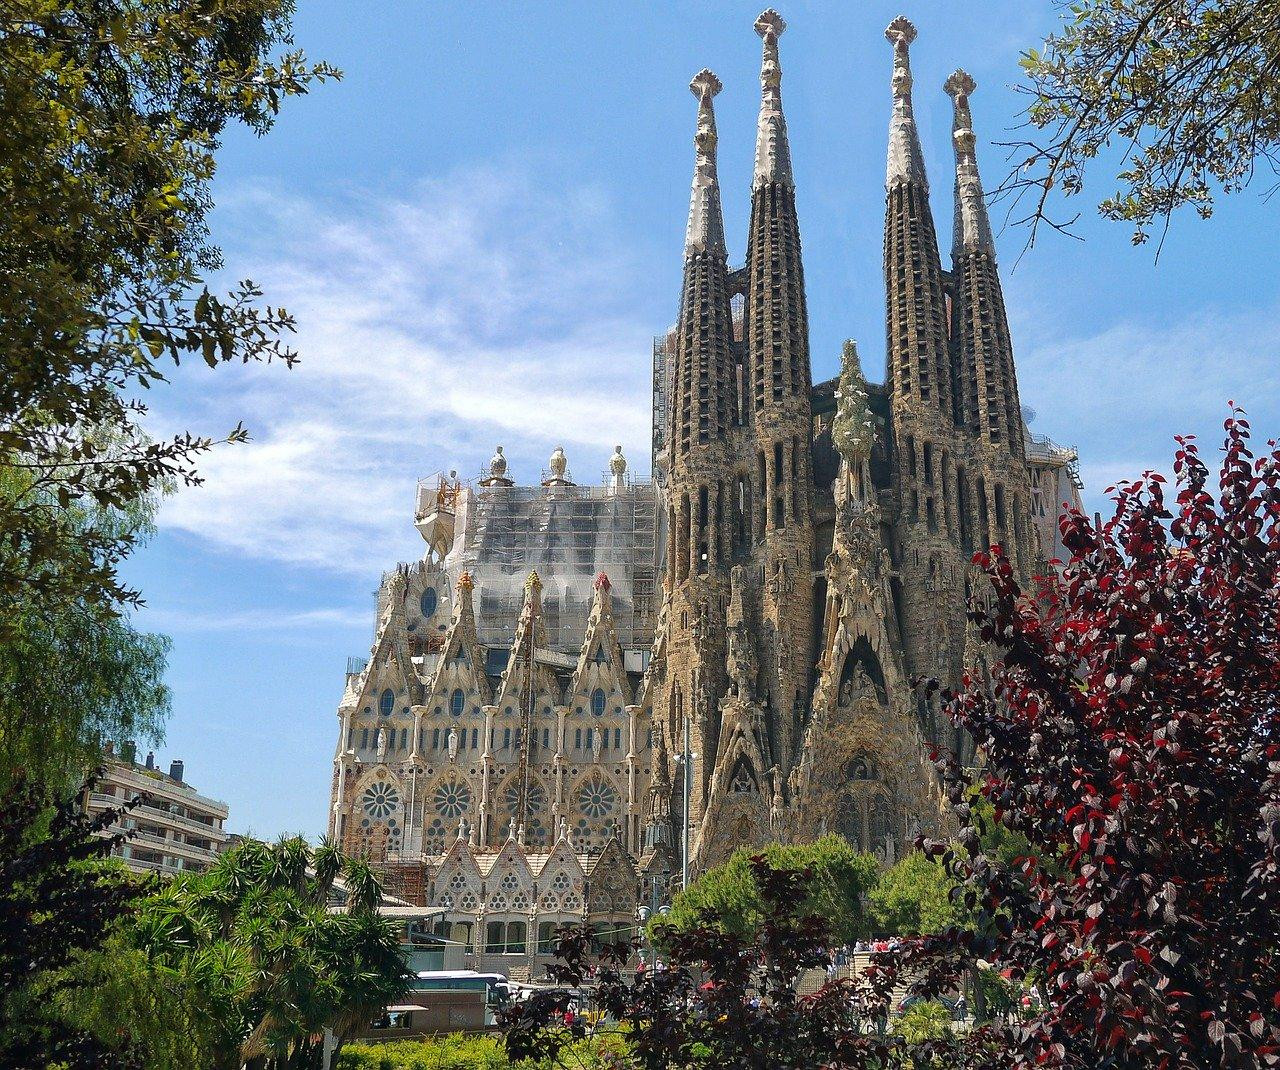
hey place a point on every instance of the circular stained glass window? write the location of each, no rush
(537, 797)
(597, 797)
(380, 800)
(429, 601)
(452, 799)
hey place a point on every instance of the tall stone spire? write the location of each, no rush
(972, 227)
(773, 154)
(702, 394)
(779, 388)
(906, 162)
(706, 222)
(988, 386)
(919, 363)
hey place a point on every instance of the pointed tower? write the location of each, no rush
(918, 362)
(988, 384)
(778, 393)
(926, 452)
(703, 434)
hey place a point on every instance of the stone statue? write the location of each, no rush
(597, 742)
(382, 744)
(741, 662)
(453, 744)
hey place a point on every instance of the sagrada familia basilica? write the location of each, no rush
(582, 689)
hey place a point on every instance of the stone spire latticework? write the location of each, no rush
(988, 390)
(919, 366)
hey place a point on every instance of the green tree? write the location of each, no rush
(1180, 96)
(111, 112)
(73, 678)
(57, 899)
(840, 878)
(265, 959)
(913, 897)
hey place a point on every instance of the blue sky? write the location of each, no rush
(480, 229)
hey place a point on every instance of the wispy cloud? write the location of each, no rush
(431, 328)
(1121, 394)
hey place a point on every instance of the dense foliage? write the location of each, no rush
(459, 1051)
(1132, 735)
(839, 879)
(73, 678)
(266, 961)
(913, 897)
(57, 899)
(111, 113)
(1181, 94)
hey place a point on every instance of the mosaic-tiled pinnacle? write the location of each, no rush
(972, 226)
(773, 153)
(906, 162)
(706, 221)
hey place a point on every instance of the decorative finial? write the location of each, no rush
(901, 32)
(770, 22)
(773, 154)
(705, 84)
(498, 464)
(706, 223)
(602, 582)
(511, 829)
(465, 582)
(559, 462)
(972, 226)
(617, 463)
(906, 162)
(533, 583)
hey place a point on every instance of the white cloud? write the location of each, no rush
(430, 328)
(1122, 393)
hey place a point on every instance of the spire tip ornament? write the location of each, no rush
(705, 84)
(900, 32)
(960, 83)
(770, 22)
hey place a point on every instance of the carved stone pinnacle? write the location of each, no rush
(900, 31)
(770, 22)
(961, 83)
(705, 83)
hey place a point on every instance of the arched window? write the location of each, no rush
(457, 702)
(597, 702)
(429, 601)
(546, 937)
(387, 702)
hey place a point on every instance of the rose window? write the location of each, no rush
(597, 797)
(380, 800)
(457, 883)
(561, 882)
(452, 799)
(468, 902)
(511, 797)
(509, 883)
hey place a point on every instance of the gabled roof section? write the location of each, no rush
(461, 637)
(530, 638)
(601, 640)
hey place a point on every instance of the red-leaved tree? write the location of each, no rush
(1132, 734)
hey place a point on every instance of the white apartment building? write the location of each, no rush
(173, 829)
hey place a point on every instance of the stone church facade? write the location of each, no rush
(799, 557)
